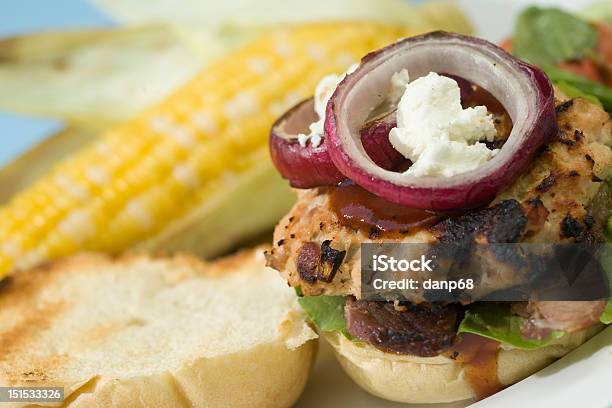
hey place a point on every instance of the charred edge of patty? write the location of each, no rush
(592, 227)
(564, 106)
(501, 223)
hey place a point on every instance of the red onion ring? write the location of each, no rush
(308, 166)
(524, 91)
(304, 166)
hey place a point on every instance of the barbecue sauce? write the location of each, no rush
(361, 210)
(478, 356)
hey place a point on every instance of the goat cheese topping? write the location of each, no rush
(325, 90)
(436, 133)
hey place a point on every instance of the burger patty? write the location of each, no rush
(422, 330)
(557, 200)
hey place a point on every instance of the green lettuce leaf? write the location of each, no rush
(497, 322)
(573, 92)
(606, 316)
(327, 312)
(491, 320)
(602, 92)
(549, 36)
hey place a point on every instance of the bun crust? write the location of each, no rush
(143, 331)
(411, 379)
(268, 375)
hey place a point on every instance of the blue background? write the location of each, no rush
(18, 132)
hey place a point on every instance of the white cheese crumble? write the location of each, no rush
(399, 82)
(325, 90)
(436, 133)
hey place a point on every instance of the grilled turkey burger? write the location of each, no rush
(439, 138)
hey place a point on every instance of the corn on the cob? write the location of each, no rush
(132, 182)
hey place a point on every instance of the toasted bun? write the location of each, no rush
(155, 332)
(412, 379)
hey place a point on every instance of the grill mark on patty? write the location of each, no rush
(546, 184)
(564, 106)
(563, 138)
(501, 223)
(536, 214)
(571, 227)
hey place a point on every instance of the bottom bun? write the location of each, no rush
(412, 379)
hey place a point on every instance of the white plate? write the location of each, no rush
(580, 379)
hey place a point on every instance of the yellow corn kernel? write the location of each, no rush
(138, 177)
